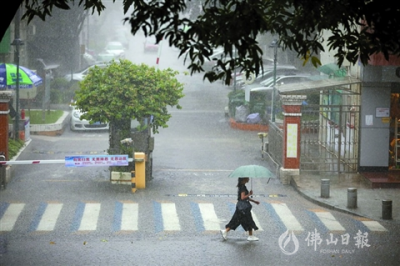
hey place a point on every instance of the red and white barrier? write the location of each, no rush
(39, 162)
(159, 53)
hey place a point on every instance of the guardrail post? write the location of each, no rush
(325, 187)
(140, 170)
(352, 198)
(386, 209)
(133, 181)
(262, 136)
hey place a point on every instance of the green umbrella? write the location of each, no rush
(251, 171)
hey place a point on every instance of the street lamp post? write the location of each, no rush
(274, 45)
(17, 42)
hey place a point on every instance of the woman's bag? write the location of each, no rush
(243, 206)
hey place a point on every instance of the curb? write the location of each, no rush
(9, 168)
(322, 204)
(55, 129)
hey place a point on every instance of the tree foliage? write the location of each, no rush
(122, 92)
(359, 28)
(125, 91)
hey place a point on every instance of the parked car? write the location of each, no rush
(268, 72)
(280, 79)
(267, 85)
(76, 123)
(150, 45)
(105, 57)
(89, 58)
(81, 74)
(115, 48)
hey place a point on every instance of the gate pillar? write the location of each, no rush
(291, 105)
(5, 97)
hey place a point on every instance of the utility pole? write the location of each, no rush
(274, 45)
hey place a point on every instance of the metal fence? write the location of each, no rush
(329, 138)
(275, 143)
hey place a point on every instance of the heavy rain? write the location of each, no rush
(122, 154)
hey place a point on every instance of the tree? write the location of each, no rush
(359, 28)
(124, 91)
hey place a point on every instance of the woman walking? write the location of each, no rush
(242, 218)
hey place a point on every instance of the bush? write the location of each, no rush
(14, 146)
(236, 98)
(62, 91)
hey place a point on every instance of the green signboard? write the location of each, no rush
(5, 43)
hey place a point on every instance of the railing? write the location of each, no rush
(329, 138)
(275, 143)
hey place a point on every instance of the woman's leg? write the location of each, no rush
(250, 226)
(233, 224)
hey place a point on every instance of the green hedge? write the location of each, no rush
(14, 146)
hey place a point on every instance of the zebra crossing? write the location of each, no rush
(166, 217)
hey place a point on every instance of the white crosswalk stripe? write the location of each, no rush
(130, 216)
(256, 221)
(90, 216)
(10, 217)
(329, 221)
(204, 214)
(210, 219)
(287, 217)
(50, 216)
(374, 226)
(170, 217)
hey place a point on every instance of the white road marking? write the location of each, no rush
(10, 217)
(50, 216)
(287, 217)
(129, 219)
(329, 221)
(374, 226)
(210, 219)
(170, 217)
(90, 216)
(255, 219)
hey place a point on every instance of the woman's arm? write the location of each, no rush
(244, 196)
(255, 201)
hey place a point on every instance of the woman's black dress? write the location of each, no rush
(243, 219)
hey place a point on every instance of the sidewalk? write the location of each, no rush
(369, 200)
